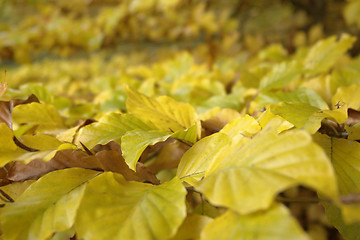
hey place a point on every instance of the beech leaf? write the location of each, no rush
(49, 205)
(246, 178)
(113, 208)
(274, 223)
(345, 156)
(110, 127)
(44, 115)
(163, 112)
(280, 75)
(324, 54)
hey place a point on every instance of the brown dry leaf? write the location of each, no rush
(34, 169)
(5, 113)
(145, 174)
(353, 117)
(7, 106)
(105, 160)
(112, 161)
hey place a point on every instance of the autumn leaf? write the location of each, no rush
(274, 223)
(266, 165)
(49, 205)
(111, 207)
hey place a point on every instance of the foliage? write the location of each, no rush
(234, 138)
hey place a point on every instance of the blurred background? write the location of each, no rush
(91, 46)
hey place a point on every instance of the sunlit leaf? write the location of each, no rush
(163, 112)
(45, 116)
(324, 54)
(196, 160)
(9, 150)
(49, 205)
(308, 117)
(114, 208)
(246, 178)
(348, 95)
(110, 127)
(134, 142)
(274, 223)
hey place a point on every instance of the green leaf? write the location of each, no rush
(303, 95)
(189, 135)
(163, 112)
(274, 223)
(113, 208)
(110, 127)
(280, 75)
(307, 117)
(49, 205)
(246, 178)
(45, 116)
(324, 54)
(133, 143)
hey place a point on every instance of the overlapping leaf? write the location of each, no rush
(38, 146)
(306, 116)
(44, 116)
(114, 208)
(110, 127)
(163, 112)
(47, 206)
(198, 158)
(345, 156)
(274, 223)
(246, 178)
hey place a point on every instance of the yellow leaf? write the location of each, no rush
(274, 223)
(49, 205)
(14, 190)
(45, 116)
(324, 54)
(133, 143)
(345, 156)
(163, 112)
(114, 208)
(110, 127)
(308, 117)
(348, 95)
(192, 227)
(196, 160)
(9, 150)
(246, 178)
